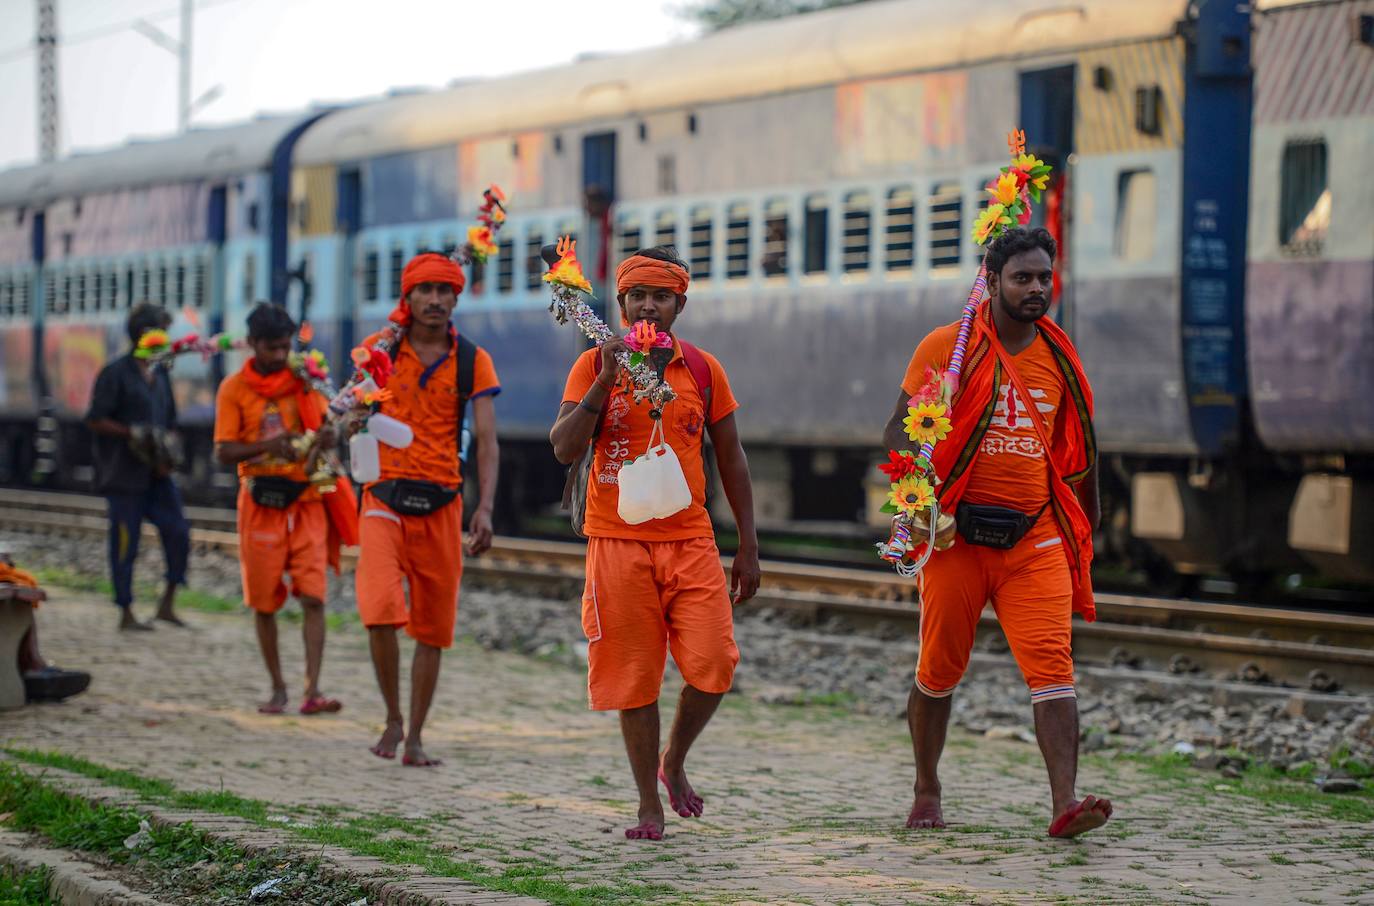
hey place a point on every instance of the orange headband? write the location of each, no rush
(431, 267)
(639, 270)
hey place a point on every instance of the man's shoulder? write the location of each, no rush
(116, 364)
(711, 361)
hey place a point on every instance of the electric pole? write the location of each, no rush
(184, 63)
(47, 80)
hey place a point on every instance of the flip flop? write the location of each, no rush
(1079, 819)
(386, 755)
(321, 705)
(417, 763)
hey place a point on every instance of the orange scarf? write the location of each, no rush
(13, 575)
(341, 505)
(639, 270)
(1072, 447)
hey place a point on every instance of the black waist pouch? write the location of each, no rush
(413, 498)
(993, 526)
(274, 492)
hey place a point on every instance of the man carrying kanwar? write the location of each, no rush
(412, 518)
(657, 586)
(284, 525)
(133, 417)
(1019, 474)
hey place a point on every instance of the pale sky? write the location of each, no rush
(282, 55)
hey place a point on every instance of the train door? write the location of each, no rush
(348, 219)
(1047, 113)
(216, 232)
(598, 196)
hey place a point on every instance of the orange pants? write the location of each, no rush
(1032, 594)
(644, 598)
(273, 542)
(426, 552)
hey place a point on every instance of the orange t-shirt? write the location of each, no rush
(1011, 469)
(427, 400)
(243, 416)
(625, 436)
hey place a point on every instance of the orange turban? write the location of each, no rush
(640, 270)
(431, 267)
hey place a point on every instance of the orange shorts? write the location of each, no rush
(273, 542)
(423, 552)
(1032, 594)
(644, 598)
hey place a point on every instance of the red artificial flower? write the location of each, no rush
(898, 466)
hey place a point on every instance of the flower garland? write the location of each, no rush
(911, 499)
(569, 286)
(156, 348)
(482, 239)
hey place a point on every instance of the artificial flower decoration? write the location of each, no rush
(934, 390)
(316, 365)
(374, 362)
(926, 423)
(568, 272)
(306, 333)
(1031, 171)
(911, 495)
(151, 343)
(360, 356)
(898, 465)
(483, 245)
(991, 221)
(1005, 190)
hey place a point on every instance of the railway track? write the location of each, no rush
(1307, 650)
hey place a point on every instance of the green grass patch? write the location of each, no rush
(1267, 784)
(28, 888)
(190, 598)
(530, 877)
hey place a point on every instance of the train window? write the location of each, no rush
(534, 265)
(112, 290)
(200, 287)
(250, 279)
(371, 262)
(448, 245)
(665, 228)
(1304, 198)
(774, 261)
(477, 278)
(700, 253)
(65, 303)
(398, 260)
(946, 225)
(6, 298)
(98, 296)
(21, 297)
(129, 287)
(858, 230)
(179, 292)
(667, 174)
(628, 238)
(1135, 215)
(901, 229)
(80, 294)
(505, 266)
(737, 241)
(816, 252)
(50, 294)
(162, 284)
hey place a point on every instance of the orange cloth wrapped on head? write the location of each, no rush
(641, 270)
(430, 267)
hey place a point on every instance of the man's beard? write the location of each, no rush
(1014, 312)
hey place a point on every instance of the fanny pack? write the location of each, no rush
(275, 492)
(993, 526)
(413, 498)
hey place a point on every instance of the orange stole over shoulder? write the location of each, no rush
(341, 506)
(13, 575)
(1073, 446)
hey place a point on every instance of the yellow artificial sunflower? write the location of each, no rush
(911, 495)
(990, 222)
(1027, 163)
(926, 422)
(1004, 189)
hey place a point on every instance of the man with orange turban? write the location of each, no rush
(285, 525)
(412, 518)
(1018, 472)
(657, 586)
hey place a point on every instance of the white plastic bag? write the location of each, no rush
(363, 458)
(653, 486)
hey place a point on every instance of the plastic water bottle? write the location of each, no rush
(364, 459)
(390, 431)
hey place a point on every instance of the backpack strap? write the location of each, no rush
(701, 374)
(465, 361)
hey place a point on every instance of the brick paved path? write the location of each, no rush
(804, 804)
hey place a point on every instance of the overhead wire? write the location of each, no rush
(105, 31)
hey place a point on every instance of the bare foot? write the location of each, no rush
(170, 617)
(926, 813)
(681, 796)
(650, 826)
(276, 704)
(1081, 817)
(391, 738)
(415, 757)
(127, 623)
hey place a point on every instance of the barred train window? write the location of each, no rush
(250, 279)
(1135, 215)
(81, 292)
(737, 241)
(180, 283)
(775, 237)
(901, 229)
(372, 263)
(128, 287)
(534, 265)
(398, 260)
(21, 304)
(6, 298)
(162, 285)
(857, 231)
(200, 289)
(665, 228)
(505, 266)
(112, 289)
(50, 294)
(816, 252)
(701, 238)
(1304, 198)
(627, 236)
(946, 225)
(98, 297)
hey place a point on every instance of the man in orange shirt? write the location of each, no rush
(1018, 471)
(658, 586)
(412, 518)
(260, 413)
